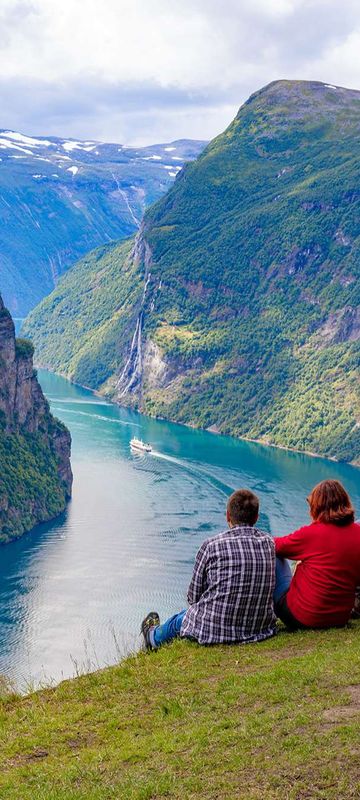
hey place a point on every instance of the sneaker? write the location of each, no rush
(152, 620)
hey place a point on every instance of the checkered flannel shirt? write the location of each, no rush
(231, 590)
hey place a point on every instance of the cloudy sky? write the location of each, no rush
(145, 71)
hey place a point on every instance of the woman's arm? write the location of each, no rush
(294, 546)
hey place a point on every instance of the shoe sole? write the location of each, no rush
(151, 621)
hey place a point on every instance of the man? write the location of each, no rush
(231, 591)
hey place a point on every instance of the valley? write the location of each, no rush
(59, 198)
(236, 306)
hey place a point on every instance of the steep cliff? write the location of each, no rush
(237, 306)
(35, 471)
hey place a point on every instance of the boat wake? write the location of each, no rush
(97, 416)
(194, 470)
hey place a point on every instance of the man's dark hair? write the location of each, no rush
(243, 507)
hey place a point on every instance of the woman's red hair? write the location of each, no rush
(330, 502)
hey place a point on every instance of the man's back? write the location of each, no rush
(231, 591)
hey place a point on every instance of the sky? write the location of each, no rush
(146, 71)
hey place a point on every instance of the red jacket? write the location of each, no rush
(322, 591)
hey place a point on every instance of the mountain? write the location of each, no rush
(59, 198)
(236, 307)
(35, 471)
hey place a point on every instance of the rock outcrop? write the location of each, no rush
(35, 471)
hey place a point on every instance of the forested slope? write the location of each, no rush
(237, 305)
(35, 471)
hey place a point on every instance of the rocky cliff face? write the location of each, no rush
(35, 471)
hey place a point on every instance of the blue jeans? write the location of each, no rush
(171, 628)
(168, 630)
(283, 576)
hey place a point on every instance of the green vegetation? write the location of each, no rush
(24, 348)
(72, 347)
(270, 720)
(250, 321)
(51, 217)
(30, 489)
(35, 472)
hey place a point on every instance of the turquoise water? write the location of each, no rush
(18, 321)
(73, 592)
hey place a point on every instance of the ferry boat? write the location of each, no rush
(138, 444)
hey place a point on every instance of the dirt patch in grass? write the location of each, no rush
(354, 692)
(342, 713)
(27, 758)
(75, 743)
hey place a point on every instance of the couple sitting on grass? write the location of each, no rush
(242, 580)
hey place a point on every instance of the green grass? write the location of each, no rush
(279, 719)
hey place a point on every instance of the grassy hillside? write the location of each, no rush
(274, 720)
(250, 321)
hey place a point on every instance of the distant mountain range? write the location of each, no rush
(59, 198)
(236, 307)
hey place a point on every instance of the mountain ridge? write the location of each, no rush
(59, 198)
(242, 312)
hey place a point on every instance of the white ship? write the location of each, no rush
(138, 444)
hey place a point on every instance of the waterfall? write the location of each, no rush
(126, 199)
(131, 372)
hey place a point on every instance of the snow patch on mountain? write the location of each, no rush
(28, 140)
(108, 183)
(69, 146)
(4, 143)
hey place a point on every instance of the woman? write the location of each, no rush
(321, 592)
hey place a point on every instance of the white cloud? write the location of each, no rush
(110, 69)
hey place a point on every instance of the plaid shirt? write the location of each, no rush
(231, 590)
